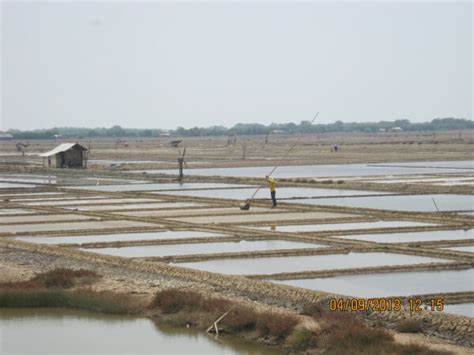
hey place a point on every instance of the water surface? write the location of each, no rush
(339, 170)
(282, 192)
(104, 238)
(391, 284)
(273, 265)
(413, 236)
(418, 203)
(203, 248)
(62, 331)
(342, 226)
(462, 309)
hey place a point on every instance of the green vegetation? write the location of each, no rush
(438, 124)
(52, 289)
(102, 302)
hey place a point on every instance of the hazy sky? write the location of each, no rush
(168, 64)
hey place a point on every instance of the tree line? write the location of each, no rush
(438, 124)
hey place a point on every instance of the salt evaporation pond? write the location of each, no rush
(415, 203)
(342, 226)
(467, 249)
(282, 192)
(64, 331)
(132, 206)
(159, 187)
(391, 284)
(10, 185)
(105, 238)
(273, 265)
(340, 170)
(202, 248)
(461, 309)
(413, 236)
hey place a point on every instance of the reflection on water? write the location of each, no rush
(61, 331)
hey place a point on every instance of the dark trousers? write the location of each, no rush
(274, 200)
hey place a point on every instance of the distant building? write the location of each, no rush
(165, 134)
(66, 155)
(396, 129)
(5, 136)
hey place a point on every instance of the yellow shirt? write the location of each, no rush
(272, 184)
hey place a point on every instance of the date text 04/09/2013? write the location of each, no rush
(385, 304)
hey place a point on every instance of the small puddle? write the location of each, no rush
(418, 203)
(273, 265)
(413, 236)
(391, 284)
(63, 331)
(203, 248)
(461, 309)
(119, 237)
(343, 226)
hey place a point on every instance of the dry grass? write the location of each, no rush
(409, 326)
(57, 278)
(189, 307)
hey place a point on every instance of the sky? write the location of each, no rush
(166, 64)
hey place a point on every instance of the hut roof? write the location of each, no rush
(63, 147)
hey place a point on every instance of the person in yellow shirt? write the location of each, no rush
(272, 186)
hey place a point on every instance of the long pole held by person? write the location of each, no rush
(246, 204)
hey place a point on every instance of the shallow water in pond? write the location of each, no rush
(468, 249)
(419, 203)
(203, 248)
(462, 309)
(119, 237)
(339, 170)
(132, 206)
(391, 284)
(10, 185)
(342, 226)
(282, 192)
(158, 187)
(273, 265)
(413, 236)
(61, 331)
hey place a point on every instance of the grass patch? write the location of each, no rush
(189, 307)
(103, 302)
(409, 326)
(57, 278)
(300, 340)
